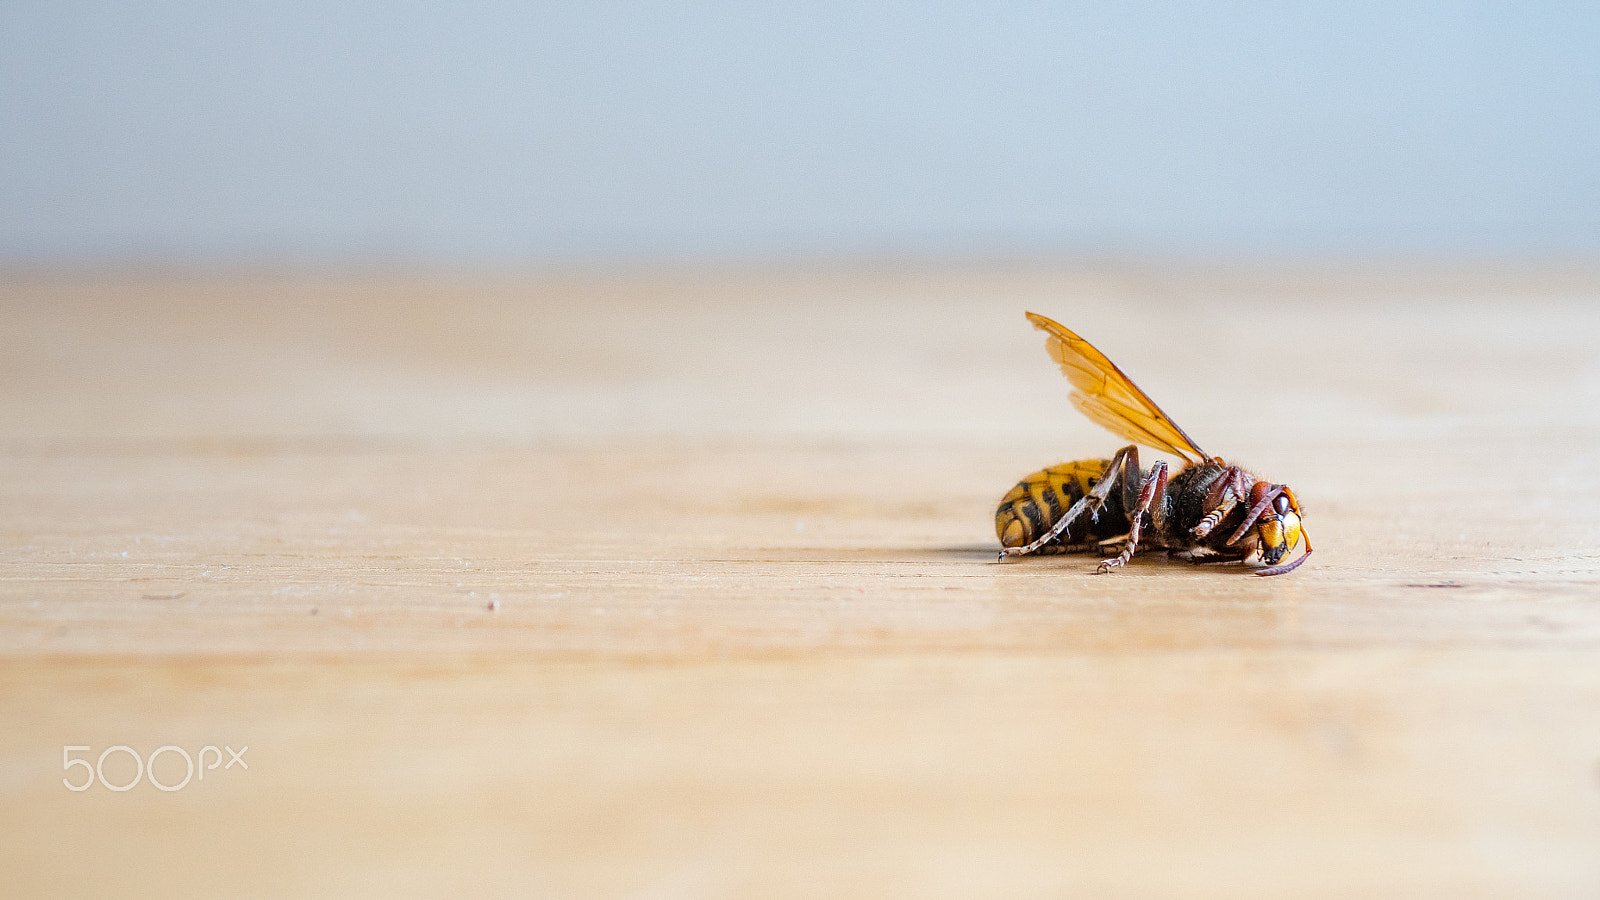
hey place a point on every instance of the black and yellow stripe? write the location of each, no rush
(1038, 501)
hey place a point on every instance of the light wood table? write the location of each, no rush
(682, 584)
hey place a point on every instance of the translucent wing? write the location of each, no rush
(1101, 392)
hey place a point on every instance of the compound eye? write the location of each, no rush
(1281, 504)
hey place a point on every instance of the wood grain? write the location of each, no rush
(683, 583)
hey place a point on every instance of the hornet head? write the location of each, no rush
(1274, 518)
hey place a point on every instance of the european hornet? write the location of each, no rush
(1210, 511)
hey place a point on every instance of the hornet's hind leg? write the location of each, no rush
(1122, 472)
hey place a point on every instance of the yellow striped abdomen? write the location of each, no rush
(1040, 500)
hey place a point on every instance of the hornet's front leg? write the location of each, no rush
(1122, 471)
(1153, 492)
(1231, 488)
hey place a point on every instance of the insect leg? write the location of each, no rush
(1217, 559)
(1232, 487)
(1152, 491)
(1091, 503)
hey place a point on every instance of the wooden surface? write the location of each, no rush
(678, 584)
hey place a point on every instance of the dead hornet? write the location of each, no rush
(1210, 511)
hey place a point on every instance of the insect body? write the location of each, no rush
(1029, 510)
(1208, 511)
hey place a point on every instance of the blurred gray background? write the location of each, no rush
(484, 132)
